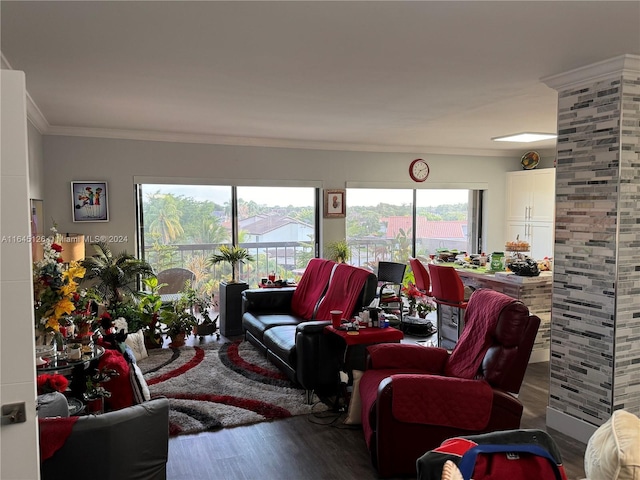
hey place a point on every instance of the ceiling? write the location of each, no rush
(418, 76)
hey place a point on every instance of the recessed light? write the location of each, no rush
(525, 137)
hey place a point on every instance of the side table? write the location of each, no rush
(351, 347)
(353, 344)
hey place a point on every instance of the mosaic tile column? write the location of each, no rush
(595, 318)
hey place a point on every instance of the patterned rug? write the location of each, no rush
(218, 385)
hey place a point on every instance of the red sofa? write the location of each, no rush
(414, 397)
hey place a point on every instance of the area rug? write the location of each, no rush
(218, 385)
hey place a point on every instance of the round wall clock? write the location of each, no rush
(419, 170)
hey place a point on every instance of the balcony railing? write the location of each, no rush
(287, 259)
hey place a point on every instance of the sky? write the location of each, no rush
(300, 197)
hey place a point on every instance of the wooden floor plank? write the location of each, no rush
(305, 447)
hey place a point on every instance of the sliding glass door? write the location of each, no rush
(395, 224)
(182, 225)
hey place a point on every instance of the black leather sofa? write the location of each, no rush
(298, 346)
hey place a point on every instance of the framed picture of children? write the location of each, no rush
(89, 202)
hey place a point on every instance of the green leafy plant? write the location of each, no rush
(116, 275)
(338, 251)
(176, 320)
(233, 255)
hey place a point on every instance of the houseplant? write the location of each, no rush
(200, 304)
(233, 255)
(115, 274)
(95, 392)
(149, 306)
(177, 323)
(338, 251)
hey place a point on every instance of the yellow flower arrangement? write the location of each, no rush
(54, 287)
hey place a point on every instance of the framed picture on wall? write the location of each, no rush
(89, 202)
(334, 203)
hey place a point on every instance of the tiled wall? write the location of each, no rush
(595, 330)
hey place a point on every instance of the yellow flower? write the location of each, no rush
(52, 323)
(68, 289)
(63, 307)
(75, 270)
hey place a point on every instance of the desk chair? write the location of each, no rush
(448, 291)
(390, 277)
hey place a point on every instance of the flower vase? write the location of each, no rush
(95, 405)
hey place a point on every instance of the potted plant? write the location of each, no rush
(233, 255)
(338, 251)
(95, 392)
(231, 292)
(149, 306)
(115, 274)
(177, 321)
(200, 305)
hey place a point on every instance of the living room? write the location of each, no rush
(299, 154)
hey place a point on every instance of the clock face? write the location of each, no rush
(419, 170)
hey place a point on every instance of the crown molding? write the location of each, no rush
(34, 114)
(623, 65)
(36, 117)
(40, 122)
(173, 137)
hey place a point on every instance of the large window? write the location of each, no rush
(182, 225)
(278, 226)
(395, 224)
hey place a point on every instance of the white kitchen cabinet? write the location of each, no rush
(531, 195)
(539, 235)
(531, 210)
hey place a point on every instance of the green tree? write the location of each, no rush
(164, 216)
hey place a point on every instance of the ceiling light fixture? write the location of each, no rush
(525, 137)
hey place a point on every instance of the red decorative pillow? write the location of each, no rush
(120, 385)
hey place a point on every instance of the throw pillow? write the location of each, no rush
(355, 406)
(139, 385)
(613, 451)
(119, 385)
(135, 341)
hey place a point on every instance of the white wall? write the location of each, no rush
(18, 442)
(119, 161)
(36, 164)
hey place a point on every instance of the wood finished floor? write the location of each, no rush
(320, 447)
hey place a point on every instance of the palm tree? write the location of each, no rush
(114, 274)
(231, 255)
(165, 217)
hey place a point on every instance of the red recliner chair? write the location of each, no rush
(415, 397)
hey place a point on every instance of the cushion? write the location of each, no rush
(120, 385)
(354, 415)
(139, 385)
(613, 451)
(135, 341)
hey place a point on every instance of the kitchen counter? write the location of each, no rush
(534, 292)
